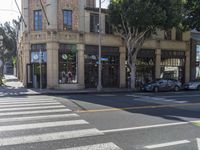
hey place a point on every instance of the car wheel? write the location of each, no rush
(156, 89)
(198, 88)
(176, 89)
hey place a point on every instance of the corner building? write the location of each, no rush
(58, 48)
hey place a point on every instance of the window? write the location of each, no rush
(168, 35)
(37, 20)
(38, 53)
(108, 26)
(90, 3)
(67, 64)
(94, 21)
(67, 20)
(178, 35)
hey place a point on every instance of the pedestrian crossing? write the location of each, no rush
(26, 123)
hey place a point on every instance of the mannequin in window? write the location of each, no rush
(69, 76)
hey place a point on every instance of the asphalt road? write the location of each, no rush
(129, 121)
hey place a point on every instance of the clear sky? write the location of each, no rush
(105, 3)
(8, 9)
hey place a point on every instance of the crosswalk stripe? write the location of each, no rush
(41, 125)
(103, 146)
(30, 102)
(37, 117)
(32, 105)
(34, 112)
(32, 108)
(49, 137)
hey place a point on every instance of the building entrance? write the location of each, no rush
(110, 67)
(36, 75)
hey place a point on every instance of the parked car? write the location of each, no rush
(192, 85)
(163, 85)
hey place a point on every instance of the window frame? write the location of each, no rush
(68, 26)
(93, 24)
(38, 18)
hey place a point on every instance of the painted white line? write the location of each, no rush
(30, 105)
(167, 144)
(37, 117)
(198, 143)
(34, 112)
(148, 127)
(49, 137)
(103, 146)
(180, 102)
(32, 108)
(143, 127)
(105, 95)
(25, 102)
(41, 125)
(181, 96)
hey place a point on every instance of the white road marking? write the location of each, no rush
(167, 144)
(197, 95)
(105, 95)
(41, 125)
(103, 146)
(147, 127)
(37, 117)
(181, 102)
(32, 108)
(25, 102)
(49, 137)
(34, 112)
(30, 105)
(198, 143)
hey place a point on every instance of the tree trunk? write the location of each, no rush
(133, 71)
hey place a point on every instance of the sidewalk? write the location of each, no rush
(13, 87)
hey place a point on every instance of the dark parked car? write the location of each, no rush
(192, 85)
(162, 85)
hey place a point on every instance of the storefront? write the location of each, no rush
(145, 67)
(173, 65)
(67, 68)
(37, 69)
(110, 66)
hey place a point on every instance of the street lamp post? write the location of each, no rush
(99, 87)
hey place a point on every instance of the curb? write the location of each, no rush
(67, 93)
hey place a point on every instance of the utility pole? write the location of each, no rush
(40, 69)
(99, 87)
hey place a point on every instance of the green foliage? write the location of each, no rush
(14, 60)
(144, 14)
(191, 17)
(9, 34)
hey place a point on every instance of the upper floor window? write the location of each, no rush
(67, 20)
(168, 35)
(37, 20)
(94, 22)
(178, 35)
(108, 26)
(90, 3)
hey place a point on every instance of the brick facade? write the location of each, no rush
(68, 5)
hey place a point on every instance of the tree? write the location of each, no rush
(191, 15)
(9, 47)
(136, 20)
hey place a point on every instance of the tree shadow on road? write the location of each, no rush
(178, 112)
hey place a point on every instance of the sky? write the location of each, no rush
(9, 11)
